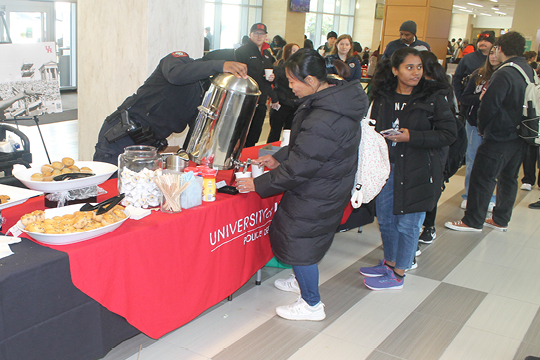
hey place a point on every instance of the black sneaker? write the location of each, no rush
(428, 235)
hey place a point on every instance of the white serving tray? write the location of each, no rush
(101, 170)
(65, 239)
(17, 195)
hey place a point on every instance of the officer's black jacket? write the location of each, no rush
(168, 99)
(250, 55)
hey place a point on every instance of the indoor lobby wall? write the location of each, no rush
(281, 21)
(367, 29)
(120, 44)
(527, 21)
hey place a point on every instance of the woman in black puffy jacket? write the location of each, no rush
(316, 172)
(416, 119)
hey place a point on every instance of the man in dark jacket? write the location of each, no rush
(407, 37)
(472, 61)
(257, 57)
(499, 156)
(166, 103)
(331, 39)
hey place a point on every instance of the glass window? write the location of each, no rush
(231, 20)
(329, 15)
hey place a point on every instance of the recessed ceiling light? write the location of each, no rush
(465, 10)
(485, 14)
(473, 4)
(499, 12)
(459, 7)
(494, 0)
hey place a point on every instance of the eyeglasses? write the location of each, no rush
(259, 34)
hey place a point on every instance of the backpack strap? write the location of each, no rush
(518, 68)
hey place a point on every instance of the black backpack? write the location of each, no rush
(456, 151)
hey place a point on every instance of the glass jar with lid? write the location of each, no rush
(137, 168)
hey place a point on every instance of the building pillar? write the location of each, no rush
(280, 20)
(432, 18)
(527, 22)
(119, 44)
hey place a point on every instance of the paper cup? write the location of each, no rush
(286, 138)
(268, 72)
(241, 175)
(257, 170)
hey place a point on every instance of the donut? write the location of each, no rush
(46, 169)
(57, 165)
(75, 168)
(67, 161)
(36, 177)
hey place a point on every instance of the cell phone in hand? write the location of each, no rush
(390, 132)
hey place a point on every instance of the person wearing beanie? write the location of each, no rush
(407, 37)
(473, 61)
(331, 38)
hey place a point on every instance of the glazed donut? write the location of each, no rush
(37, 177)
(46, 169)
(67, 161)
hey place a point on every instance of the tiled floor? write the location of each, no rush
(474, 296)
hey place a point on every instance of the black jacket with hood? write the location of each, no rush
(419, 163)
(316, 172)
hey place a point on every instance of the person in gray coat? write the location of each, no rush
(316, 172)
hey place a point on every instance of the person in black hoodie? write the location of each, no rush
(256, 55)
(316, 172)
(416, 118)
(282, 117)
(498, 158)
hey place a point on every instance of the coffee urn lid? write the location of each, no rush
(232, 83)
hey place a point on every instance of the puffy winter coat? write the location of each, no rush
(316, 172)
(419, 163)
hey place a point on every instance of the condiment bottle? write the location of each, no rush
(209, 184)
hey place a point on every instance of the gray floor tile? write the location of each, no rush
(533, 334)
(452, 303)
(420, 337)
(276, 339)
(377, 355)
(525, 350)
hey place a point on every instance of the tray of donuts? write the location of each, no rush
(69, 225)
(43, 178)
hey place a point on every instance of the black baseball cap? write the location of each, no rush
(331, 34)
(258, 26)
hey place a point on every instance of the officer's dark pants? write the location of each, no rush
(280, 119)
(496, 163)
(108, 152)
(256, 126)
(530, 159)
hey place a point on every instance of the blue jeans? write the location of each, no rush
(399, 232)
(308, 281)
(473, 142)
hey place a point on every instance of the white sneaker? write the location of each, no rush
(527, 187)
(464, 204)
(491, 206)
(301, 310)
(289, 284)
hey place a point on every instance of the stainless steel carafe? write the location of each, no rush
(223, 121)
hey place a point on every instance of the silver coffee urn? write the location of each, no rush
(223, 121)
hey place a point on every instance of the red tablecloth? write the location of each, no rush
(164, 270)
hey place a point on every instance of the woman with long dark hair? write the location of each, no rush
(316, 172)
(282, 118)
(343, 50)
(416, 119)
(476, 86)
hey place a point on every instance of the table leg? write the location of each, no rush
(258, 279)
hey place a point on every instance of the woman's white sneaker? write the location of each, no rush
(289, 284)
(301, 310)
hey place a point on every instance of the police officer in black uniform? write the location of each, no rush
(257, 57)
(166, 103)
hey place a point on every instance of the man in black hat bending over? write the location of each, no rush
(407, 37)
(166, 103)
(257, 57)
